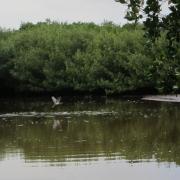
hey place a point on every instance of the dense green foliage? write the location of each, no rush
(50, 57)
(155, 22)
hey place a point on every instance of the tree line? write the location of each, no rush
(84, 57)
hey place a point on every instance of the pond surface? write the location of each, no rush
(92, 139)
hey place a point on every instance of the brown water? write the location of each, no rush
(89, 139)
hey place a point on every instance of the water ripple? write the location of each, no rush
(54, 114)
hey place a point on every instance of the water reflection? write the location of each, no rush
(138, 132)
(60, 124)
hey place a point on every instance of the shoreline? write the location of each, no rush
(162, 98)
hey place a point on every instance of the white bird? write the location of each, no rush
(56, 101)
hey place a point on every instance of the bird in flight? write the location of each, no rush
(56, 101)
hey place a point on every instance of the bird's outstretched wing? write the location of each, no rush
(54, 100)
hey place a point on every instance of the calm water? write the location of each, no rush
(89, 139)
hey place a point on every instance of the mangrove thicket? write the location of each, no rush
(84, 57)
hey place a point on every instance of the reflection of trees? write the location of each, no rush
(139, 132)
